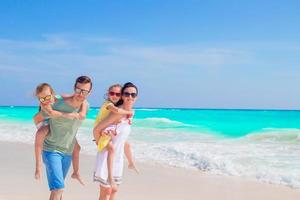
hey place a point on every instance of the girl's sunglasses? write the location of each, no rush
(127, 94)
(114, 94)
(46, 98)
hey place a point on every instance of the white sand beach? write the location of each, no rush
(153, 182)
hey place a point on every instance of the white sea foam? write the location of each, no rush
(276, 135)
(270, 156)
(161, 119)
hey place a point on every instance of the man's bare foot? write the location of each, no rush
(133, 167)
(37, 173)
(77, 177)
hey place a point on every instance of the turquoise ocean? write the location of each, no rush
(254, 144)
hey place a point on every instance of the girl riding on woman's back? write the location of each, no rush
(105, 141)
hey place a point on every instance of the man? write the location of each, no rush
(59, 143)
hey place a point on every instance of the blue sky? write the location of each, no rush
(203, 54)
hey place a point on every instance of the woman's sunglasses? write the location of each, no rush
(46, 98)
(114, 94)
(127, 94)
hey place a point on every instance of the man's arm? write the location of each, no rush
(83, 110)
(110, 119)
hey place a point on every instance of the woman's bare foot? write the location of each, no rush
(77, 177)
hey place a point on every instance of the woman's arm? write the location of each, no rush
(110, 119)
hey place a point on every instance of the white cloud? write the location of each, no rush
(183, 55)
(110, 51)
(176, 69)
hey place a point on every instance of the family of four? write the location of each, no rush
(57, 124)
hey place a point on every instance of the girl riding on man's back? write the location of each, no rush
(46, 97)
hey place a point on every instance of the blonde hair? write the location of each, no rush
(111, 87)
(115, 85)
(41, 87)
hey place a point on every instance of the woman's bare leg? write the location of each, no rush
(110, 161)
(104, 193)
(113, 193)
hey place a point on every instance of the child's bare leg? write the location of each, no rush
(38, 147)
(75, 163)
(110, 161)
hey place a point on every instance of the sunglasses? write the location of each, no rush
(127, 94)
(81, 91)
(117, 94)
(45, 98)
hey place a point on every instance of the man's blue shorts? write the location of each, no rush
(57, 166)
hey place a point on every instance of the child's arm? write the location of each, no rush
(54, 113)
(83, 110)
(37, 118)
(66, 95)
(120, 111)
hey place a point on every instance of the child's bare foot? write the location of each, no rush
(133, 167)
(37, 173)
(77, 177)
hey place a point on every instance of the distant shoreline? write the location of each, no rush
(178, 108)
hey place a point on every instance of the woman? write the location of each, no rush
(129, 95)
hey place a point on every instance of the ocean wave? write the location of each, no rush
(147, 109)
(232, 158)
(159, 123)
(282, 135)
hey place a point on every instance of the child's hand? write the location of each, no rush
(74, 115)
(109, 133)
(104, 133)
(132, 112)
(81, 116)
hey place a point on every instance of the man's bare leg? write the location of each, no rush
(56, 194)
